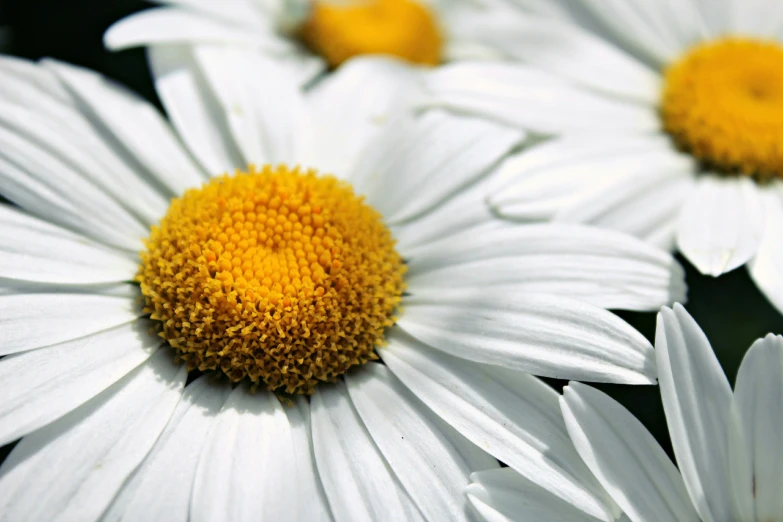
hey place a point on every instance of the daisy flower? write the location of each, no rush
(668, 118)
(395, 318)
(306, 37)
(729, 445)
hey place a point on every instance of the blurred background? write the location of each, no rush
(731, 311)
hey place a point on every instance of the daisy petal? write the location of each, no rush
(644, 204)
(757, 17)
(759, 392)
(43, 385)
(33, 320)
(418, 163)
(262, 105)
(721, 224)
(160, 488)
(697, 400)
(567, 51)
(639, 26)
(633, 185)
(606, 268)
(168, 26)
(539, 182)
(504, 495)
(243, 473)
(351, 106)
(309, 486)
(533, 100)
(353, 472)
(79, 462)
(423, 458)
(541, 334)
(53, 128)
(766, 268)
(193, 109)
(39, 83)
(26, 166)
(35, 251)
(625, 458)
(135, 124)
(512, 415)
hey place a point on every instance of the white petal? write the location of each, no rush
(78, 463)
(606, 268)
(697, 401)
(316, 509)
(262, 105)
(643, 204)
(567, 51)
(766, 268)
(45, 85)
(193, 109)
(351, 106)
(35, 251)
(56, 128)
(646, 28)
(160, 488)
(174, 26)
(509, 414)
(43, 385)
(26, 173)
(760, 18)
(244, 472)
(759, 393)
(504, 495)
(541, 334)
(717, 16)
(413, 166)
(533, 100)
(627, 460)
(634, 185)
(135, 124)
(33, 320)
(423, 458)
(721, 225)
(466, 209)
(353, 472)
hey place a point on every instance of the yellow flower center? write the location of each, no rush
(723, 103)
(402, 28)
(278, 276)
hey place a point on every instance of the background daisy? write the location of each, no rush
(728, 445)
(667, 117)
(303, 36)
(92, 166)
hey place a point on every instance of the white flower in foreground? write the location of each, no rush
(729, 446)
(304, 36)
(669, 117)
(286, 279)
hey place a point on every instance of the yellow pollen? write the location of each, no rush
(279, 276)
(723, 103)
(402, 28)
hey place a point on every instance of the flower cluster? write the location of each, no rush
(347, 272)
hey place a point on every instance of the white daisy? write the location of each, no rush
(729, 446)
(285, 279)
(304, 36)
(669, 118)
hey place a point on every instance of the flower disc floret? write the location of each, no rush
(283, 277)
(723, 103)
(339, 31)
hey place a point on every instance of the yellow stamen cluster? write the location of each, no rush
(723, 103)
(402, 28)
(279, 276)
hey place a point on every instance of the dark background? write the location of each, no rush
(731, 311)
